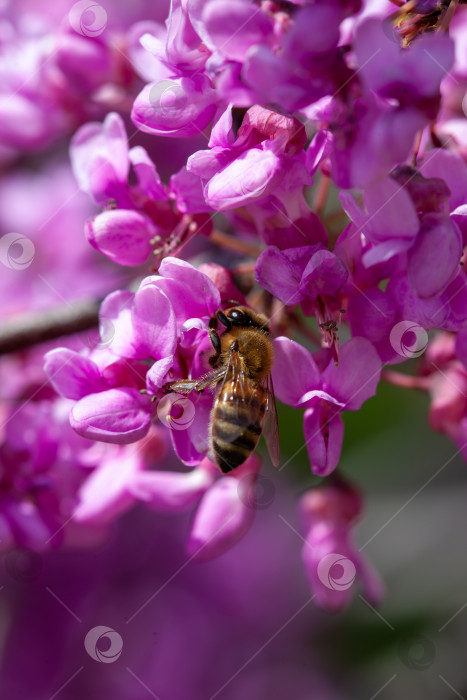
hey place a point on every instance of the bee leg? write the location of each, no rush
(185, 386)
(220, 315)
(215, 341)
(182, 386)
(214, 335)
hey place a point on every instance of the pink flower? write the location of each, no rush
(249, 168)
(145, 217)
(201, 607)
(285, 93)
(332, 561)
(305, 273)
(225, 513)
(154, 332)
(301, 72)
(50, 479)
(176, 107)
(325, 394)
(445, 377)
(56, 74)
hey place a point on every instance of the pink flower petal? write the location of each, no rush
(153, 321)
(448, 165)
(122, 235)
(117, 415)
(105, 494)
(279, 275)
(172, 491)
(149, 181)
(190, 435)
(325, 274)
(175, 107)
(357, 375)
(188, 191)
(324, 443)
(190, 291)
(435, 257)
(157, 373)
(294, 371)
(115, 320)
(221, 520)
(235, 26)
(461, 346)
(72, 375)
(99, 157)
(391, 213)
(252, 175)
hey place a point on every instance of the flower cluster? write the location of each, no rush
(321, 183)
(60, 67)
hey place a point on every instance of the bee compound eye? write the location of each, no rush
(239, 318)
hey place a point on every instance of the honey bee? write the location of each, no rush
(244, 405)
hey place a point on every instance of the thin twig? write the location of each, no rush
(321, 194)
(30, 329)
(444, 26)
(406, 381)
(237, 245)
(335, 217)
(305, 330)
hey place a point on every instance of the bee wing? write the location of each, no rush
(241, 385)
(237, 383)
(233, 370)
(271, 426)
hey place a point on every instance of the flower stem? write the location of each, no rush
(234, 244)
(416, 148)
(244, 269)
(335, 217)
(305, 330)
(444, 26)
(405, 381)
(321, 194)
(30, 329)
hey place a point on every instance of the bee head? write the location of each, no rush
(243, 317)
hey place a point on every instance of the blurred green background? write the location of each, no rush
(413, 530)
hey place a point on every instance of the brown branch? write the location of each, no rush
(33, 328)
(237, 245)
(444, 26)
(406, 381)
(321, 195)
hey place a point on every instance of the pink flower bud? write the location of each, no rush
(332, 562)
(224, 514)
(123, 235)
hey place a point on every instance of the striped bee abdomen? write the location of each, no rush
(236, 424)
